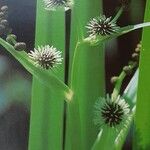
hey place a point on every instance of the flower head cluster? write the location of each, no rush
(101, 26)
(45, 56)
(52, 4)
(112, 113)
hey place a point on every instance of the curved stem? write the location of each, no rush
(119, 13)
(118, 84)
(117, 88)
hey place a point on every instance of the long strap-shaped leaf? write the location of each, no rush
(142, 133)
(87, 78)
(46, 125)
(130, 94)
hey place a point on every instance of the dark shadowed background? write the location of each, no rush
(15, 82)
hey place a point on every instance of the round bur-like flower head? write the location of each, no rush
(111, 113)
(102, 26)
(52, 4)
(45, 56)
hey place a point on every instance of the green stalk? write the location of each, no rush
(86, 75)
(118, 85)
(120, 79)
(130, 95)
(48, 79)
(119, 13)
(87, 85)
(106, 140)
(142, 136)
(123, 30)
(46, 123)
(121, 137)
(107, 137)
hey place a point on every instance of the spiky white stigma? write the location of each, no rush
(46, 56)
(101, 26)
(53, 4)
(111, 113)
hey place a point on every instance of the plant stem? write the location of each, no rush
(117, 139)
(86, 77)
(118, 84)
(142, 123)
(119, 13)
(47, 107)
(117, 88)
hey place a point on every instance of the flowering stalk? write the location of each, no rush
(119, 138)
(47, 107)
(87, 64)
(119, 13)
(127, 70)
(100, 29)
(120, 79)
(113, 113)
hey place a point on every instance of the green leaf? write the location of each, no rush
(47, 108)
(86, 76)
(142, 123)
(47, 78)
(105, 139)
(121, 137)
(87, 83)
(130, 95)
(123, 30)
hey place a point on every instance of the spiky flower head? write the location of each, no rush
(53, 4)
(101, 26)
(112, 113)
(45, 56)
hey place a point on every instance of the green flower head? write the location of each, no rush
(112, 113)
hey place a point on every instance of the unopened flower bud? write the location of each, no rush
(114, 79)
(135, 56)
(4, 8)
(139, 46)
(137, 50)
(127, 69)
(10, 37)
(20, 46)
(4, 22)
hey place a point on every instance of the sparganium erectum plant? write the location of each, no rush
(80, 79)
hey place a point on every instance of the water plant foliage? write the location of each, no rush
(68, 86)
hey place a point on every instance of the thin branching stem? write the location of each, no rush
(119, 13)
(118, 84)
